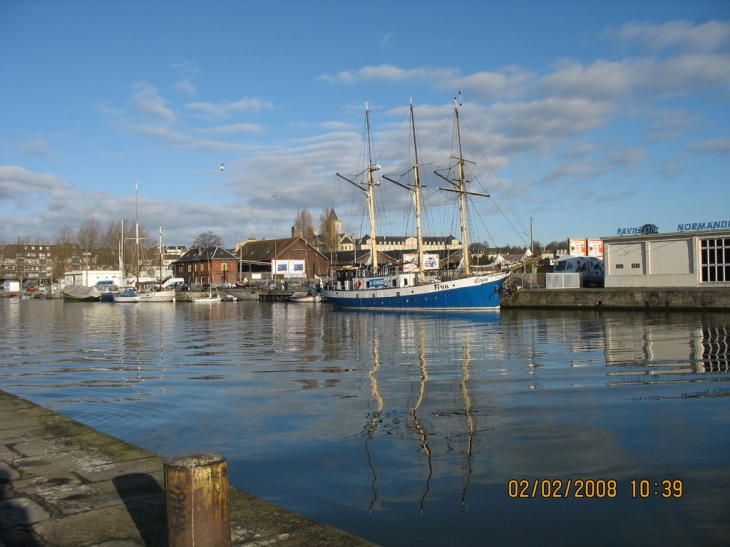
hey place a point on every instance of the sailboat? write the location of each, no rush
(132, 295)
(415, 289)
(158, 295)
(210, 298)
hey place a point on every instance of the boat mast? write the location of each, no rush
(417, 198)
(462, 199)
(369, 189)
(160, 257)
(371, 195)
(136, 233)
(121, 249)
(460, 188)
(416, 195)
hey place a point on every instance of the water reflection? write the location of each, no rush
(659, 351)
(407, 428)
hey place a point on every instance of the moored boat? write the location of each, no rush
(80, 293)
(418, 288)
(306, 296)
(207, 299)
(127, 296)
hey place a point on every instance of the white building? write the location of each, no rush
(678, 259)
(89, 278)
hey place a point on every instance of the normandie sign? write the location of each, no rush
(714, 225)
(689, 227)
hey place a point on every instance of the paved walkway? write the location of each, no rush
(63, 484)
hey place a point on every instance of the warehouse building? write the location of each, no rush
(697, 255)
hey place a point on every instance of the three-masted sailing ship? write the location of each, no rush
(416, 289)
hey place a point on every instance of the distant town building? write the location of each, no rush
(212, 265)
(290, 258)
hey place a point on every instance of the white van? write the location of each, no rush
(591, 268)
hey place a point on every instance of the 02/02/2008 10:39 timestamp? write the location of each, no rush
(592, 489)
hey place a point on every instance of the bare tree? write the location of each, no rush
(330, 228)
(63, 251)
(88, 237)
(303, 226)
(208, 239)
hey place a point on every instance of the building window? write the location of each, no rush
(636, 265)
(619, 266)
(715, 260)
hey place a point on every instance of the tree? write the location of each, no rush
(88, 237)
(64, 251)
(109, 246)
(329, 226)
(208, 239)
(303, 226)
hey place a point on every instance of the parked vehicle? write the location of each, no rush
(591, 269)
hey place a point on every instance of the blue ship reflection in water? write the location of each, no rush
(408, 428)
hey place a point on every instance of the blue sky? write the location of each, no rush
(586, 116)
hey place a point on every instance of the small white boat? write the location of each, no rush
(127, 296)
(157, 296)
(306, 296)
(207, 299)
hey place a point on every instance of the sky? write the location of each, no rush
(582, 117)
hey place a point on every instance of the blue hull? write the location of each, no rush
(474, 293)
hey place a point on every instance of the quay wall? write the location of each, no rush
(705, 298)
(64, 484)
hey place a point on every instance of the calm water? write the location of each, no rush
(407, 429)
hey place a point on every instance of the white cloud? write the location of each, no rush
(148, 102)
(389, 73)
(171, 136)
(186, 86)
(683, 36)
(38, 147)
(720, 146)
(224, 110)
(233, 129)
(602, 79)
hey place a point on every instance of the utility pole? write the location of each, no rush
(532, 220)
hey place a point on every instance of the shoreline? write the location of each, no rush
(65, 484)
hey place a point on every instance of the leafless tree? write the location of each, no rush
(329, 227)
(303, 226)
(63, 251)
(208, 239)
(88, 237)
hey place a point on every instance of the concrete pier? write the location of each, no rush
(63, 484)
(694, 299)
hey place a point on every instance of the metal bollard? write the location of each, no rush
(196, 492)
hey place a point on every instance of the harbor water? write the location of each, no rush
(503, 428)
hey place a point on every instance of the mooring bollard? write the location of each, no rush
(196, 490)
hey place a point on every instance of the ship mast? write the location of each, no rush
(459, 187)
(462, 200)
(416, 191)
(369, 189)
(371, 194)
(417, 198)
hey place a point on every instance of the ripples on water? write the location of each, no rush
(407, 428)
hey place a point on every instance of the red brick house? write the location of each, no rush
(212, 265)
